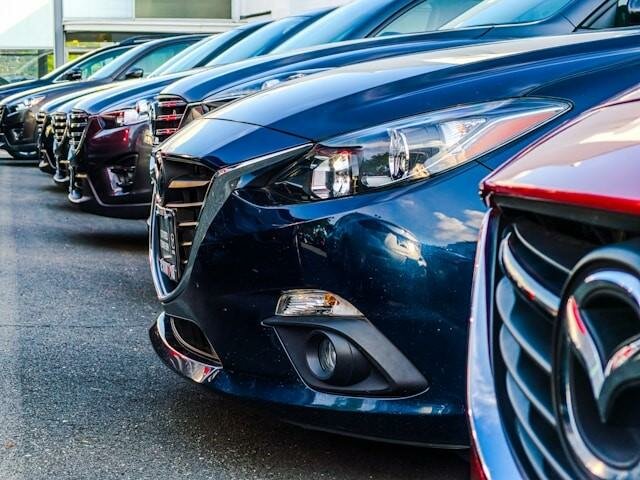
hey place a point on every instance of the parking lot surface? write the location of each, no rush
(83, 394)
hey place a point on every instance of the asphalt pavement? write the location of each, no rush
(82, 394)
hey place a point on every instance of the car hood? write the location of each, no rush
(126, 94)
(52, 91)
(17, 87)
(368, 94)
(59, 104)
(217, 79)
(573, 165)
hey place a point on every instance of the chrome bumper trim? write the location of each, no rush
(187, 367)
(488, 434)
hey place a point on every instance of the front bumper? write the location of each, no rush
(110, 172)
(244, 256)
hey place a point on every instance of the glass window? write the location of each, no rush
(91, 65)
(333, 27)
(427, 16)
(500, 12)
(183, 9)
(153, 60)
(261, 42)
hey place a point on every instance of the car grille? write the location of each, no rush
(185, 185)
(41, 119)
(78, 122)
(59, 123)
(536, 254)
(167, 116)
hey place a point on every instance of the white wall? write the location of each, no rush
(282, 8)
(26, 24)
(98, 9)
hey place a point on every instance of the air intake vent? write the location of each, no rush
(167, 116)
(78, 122)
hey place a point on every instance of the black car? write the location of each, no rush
(18, 113)
(80, 68)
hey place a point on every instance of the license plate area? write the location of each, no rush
(167, 236)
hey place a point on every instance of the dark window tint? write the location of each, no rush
(262, 41)
(427, 16)
(501, 12)
(153, 60)
(92, 65)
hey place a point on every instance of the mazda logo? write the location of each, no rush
(597, 373)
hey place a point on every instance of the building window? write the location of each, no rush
(190, 9)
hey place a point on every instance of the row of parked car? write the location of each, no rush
(311, 189)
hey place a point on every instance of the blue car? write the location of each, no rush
(312, 245)
(467, 22)
(194, 95)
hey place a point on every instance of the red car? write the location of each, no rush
(554, 356)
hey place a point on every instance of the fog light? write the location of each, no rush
(327, 355)
(334, 360)
(303, 303)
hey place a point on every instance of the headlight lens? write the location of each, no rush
(411, 149)
(30, 102)
(127, 116)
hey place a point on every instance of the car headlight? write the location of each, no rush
(126, 116)
(410, 149)
(30, 102)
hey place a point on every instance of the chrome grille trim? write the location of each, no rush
(77, 127)
(166, 116)
(59, 123)
(222, 185)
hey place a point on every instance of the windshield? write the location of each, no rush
(496, 12)
(261, 42)
(110, 69)
(190, 57)
(333, 27)
(80, 63)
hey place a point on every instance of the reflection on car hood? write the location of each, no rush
(372, 93)
(216, 79)
(126, 94)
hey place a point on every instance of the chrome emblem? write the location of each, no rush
(597, 374)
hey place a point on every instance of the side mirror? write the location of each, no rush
(628, 12)
(73, 75)
(134, 73)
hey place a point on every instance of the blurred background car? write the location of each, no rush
(79, 69)
(51, 120)
(18, 113)
(312, 245)
(556, 305)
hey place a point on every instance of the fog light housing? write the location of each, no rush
(334, 360)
